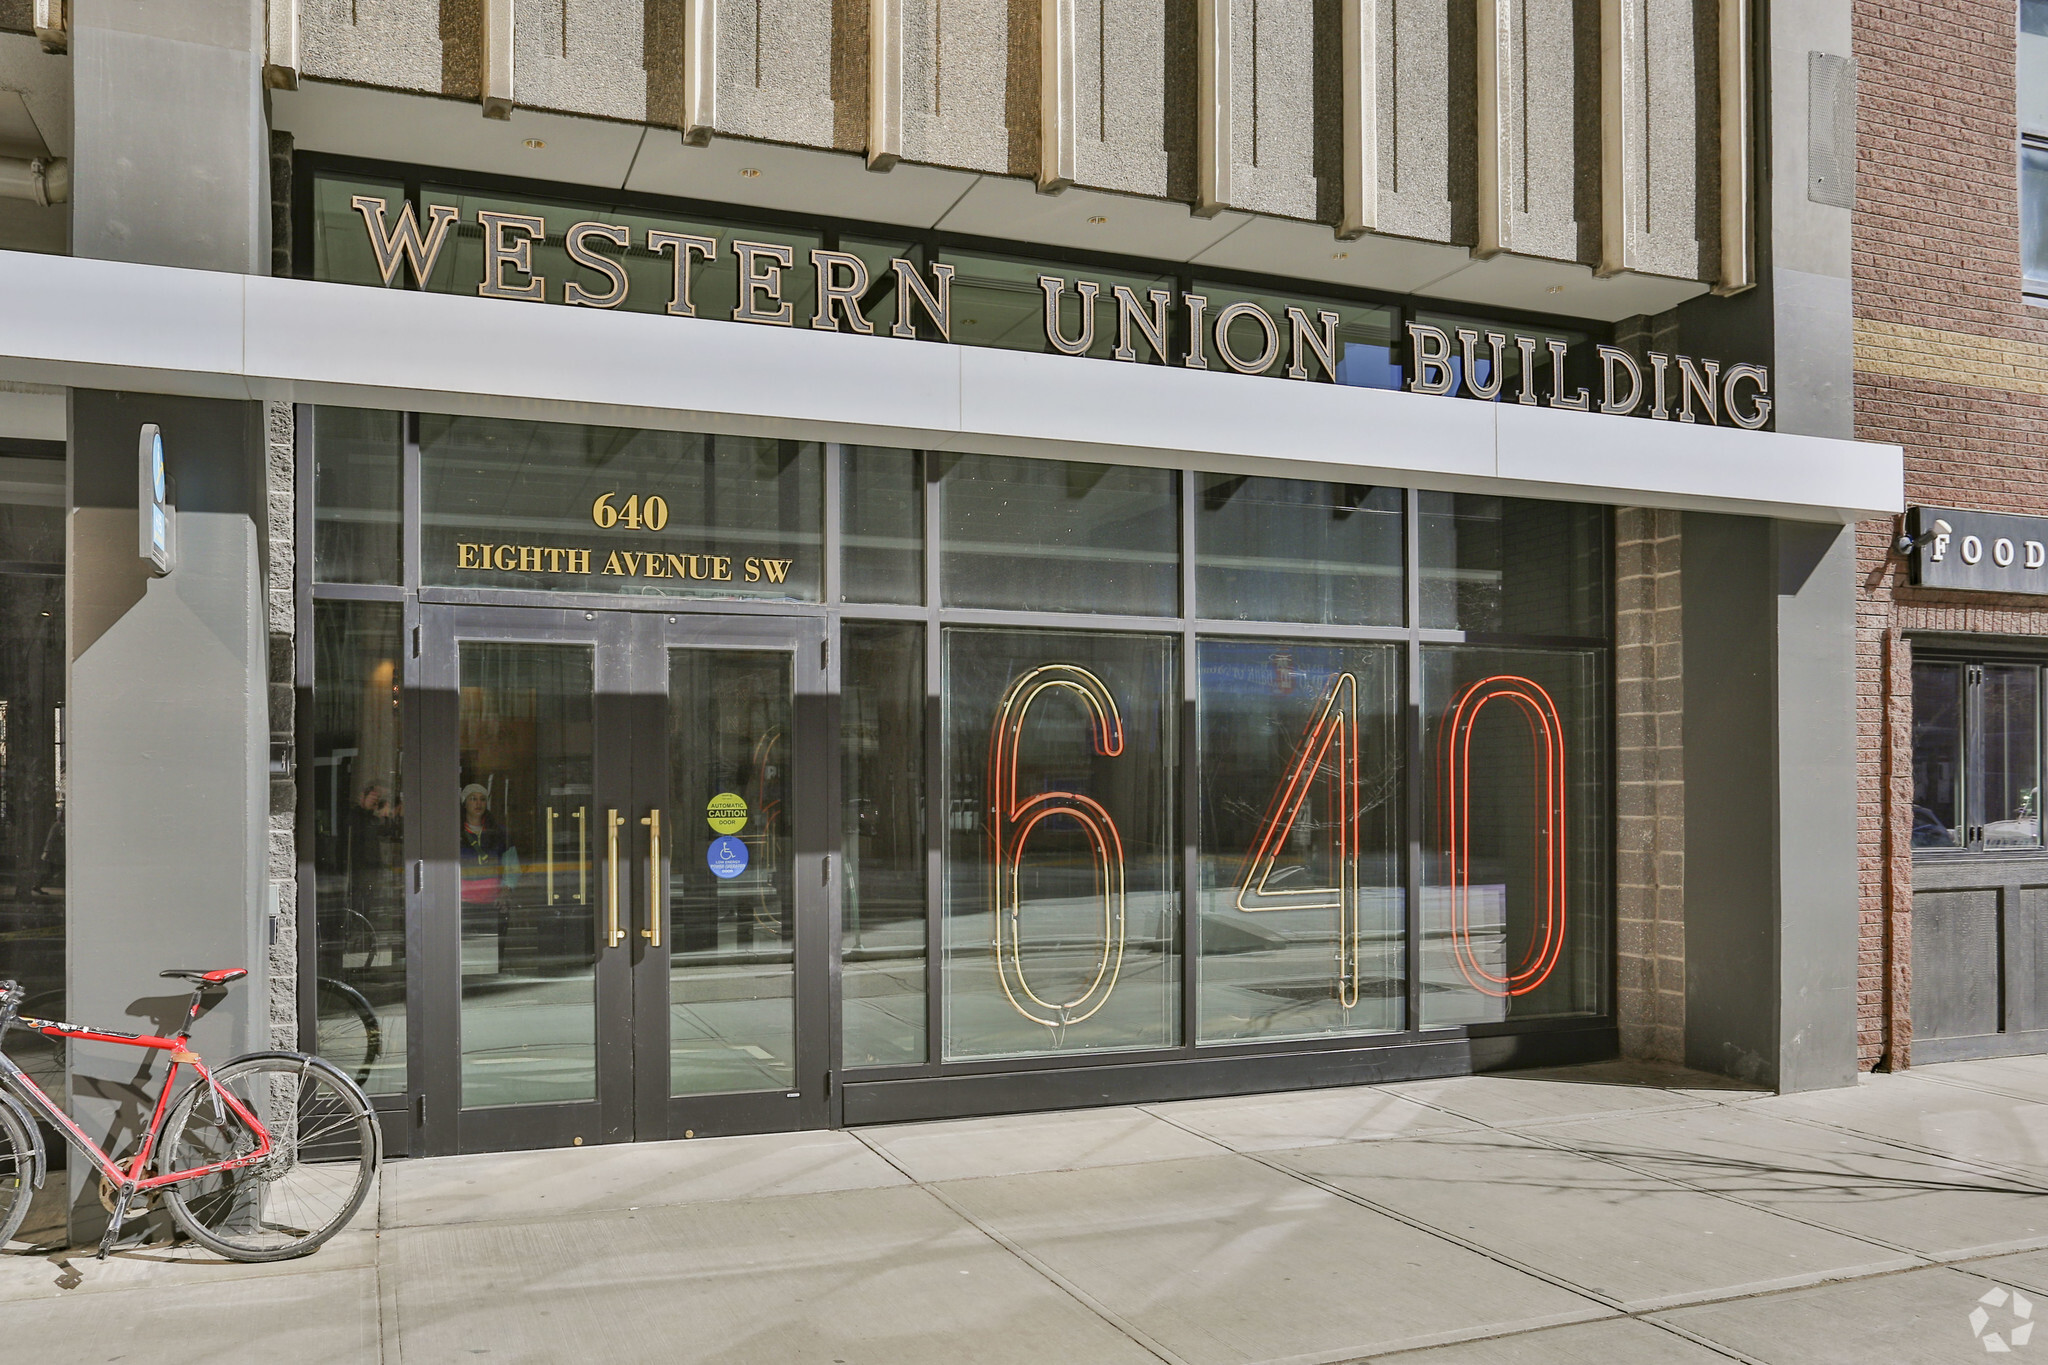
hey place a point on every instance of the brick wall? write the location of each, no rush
(1649, 760)
(1952, 364)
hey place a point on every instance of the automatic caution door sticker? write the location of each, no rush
(727, 857)
(726, 813)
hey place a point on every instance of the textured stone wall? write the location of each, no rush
(1649, 705)
(1951, 363)
(281, 601)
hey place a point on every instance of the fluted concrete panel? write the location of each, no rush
(1539, 111)
(1273, 102)
(774, 70)
(395, 43)
(1120, 53)
(1661, 135)
(970, 84)
(580, 57)
(1424, 55)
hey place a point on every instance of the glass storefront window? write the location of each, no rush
(1293, 550)
(546, 505)
(1515, 894)
(32, 678)
(1513, 566)
(882, 916)
(881, 525)
(1302, 927)
(1062, 894)
(997, 301)
(2012, 756)
(356, 482)
(359, 841)
(341, 245)
(1937, 755)
(1054, 535)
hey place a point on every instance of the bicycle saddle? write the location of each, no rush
(201, 977)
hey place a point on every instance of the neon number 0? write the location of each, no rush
(1011, 821)
(1334, 726)
(1454, 779)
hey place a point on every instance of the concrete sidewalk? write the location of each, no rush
(1608, 1213)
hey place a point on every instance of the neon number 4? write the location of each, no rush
(1328, 750)
(1012, 818)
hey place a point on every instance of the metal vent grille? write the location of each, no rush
(1831, 129)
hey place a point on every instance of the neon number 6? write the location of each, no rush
(1332, 734)
(1454, 780)
(1011, 821)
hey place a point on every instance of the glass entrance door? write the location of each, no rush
(618, 936)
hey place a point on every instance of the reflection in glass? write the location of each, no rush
(1365, 335)
(32, 677)
(1579, 369)
(1515, 894)
(997, 301)
(882, 933)
(2011, 702)
(1301, 898)
(882, 525)
(356, 454)
(529, 947)
(2034, 216)
(341, 243)
(732, 865)
(1053, 535)
(1513, 566)
(1292, 550)
(1061, 886)
(359, 841)
(739, 516)
(1937, 755)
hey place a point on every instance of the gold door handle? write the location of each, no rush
(551, 855)
(614, 935)
(652, 933)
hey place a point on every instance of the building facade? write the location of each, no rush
(743, 567)
(1950, 352)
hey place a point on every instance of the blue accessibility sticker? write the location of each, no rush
(727, 857)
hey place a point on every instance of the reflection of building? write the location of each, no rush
(667, 490)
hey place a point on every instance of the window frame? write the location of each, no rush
(1971, 758)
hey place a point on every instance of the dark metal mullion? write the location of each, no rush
(936, 800)
(305, 644)
(411, 481)
(1411, 712)
(833, 776)
(1188, 751)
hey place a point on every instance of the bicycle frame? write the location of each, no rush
(131, 1180)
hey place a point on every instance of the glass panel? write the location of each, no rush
(341, 241)
(1300, 843)
(1061, 888)
(512, 504)
(650, 275)
(997, 302)
(1512, 566)
(2034, 217)
(1292, 550)
(2033, 66)
(878, 305)
(1051, 535)
(32, 677)
(882, 525)
(732, 863)
(2012, 755)
(882, 935)
(359, 841)
(529, 949)
(1580, 371)
(1938, 816)
(1515, 893)
(1365, 335)
(356, 489)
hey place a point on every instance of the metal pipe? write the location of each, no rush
(44, 180)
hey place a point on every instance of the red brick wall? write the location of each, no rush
(1936, 247)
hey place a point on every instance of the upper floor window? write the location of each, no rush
(2033, 109)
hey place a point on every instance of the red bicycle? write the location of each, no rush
(262, 1160)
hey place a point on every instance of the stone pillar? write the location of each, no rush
(1649, 704)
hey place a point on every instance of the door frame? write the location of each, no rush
(630, 647)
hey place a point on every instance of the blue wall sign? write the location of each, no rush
(727, 857)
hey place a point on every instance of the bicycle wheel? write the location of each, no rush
(350, 1035)
(325, 1150)
(17, 1181)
